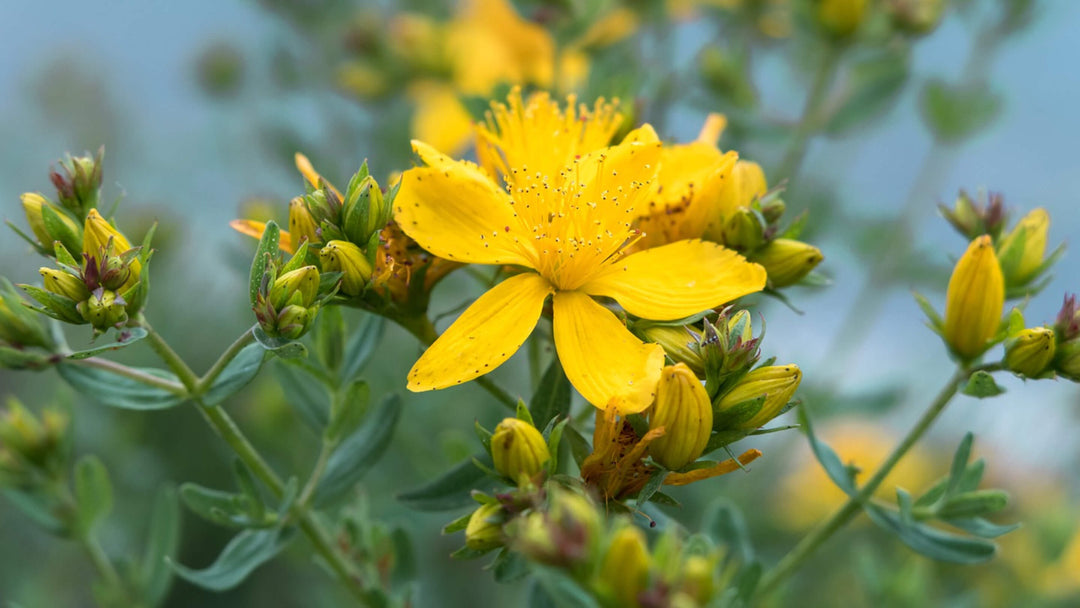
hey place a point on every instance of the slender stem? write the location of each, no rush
(227, 429)
(101, 561)
(424, 331)
(316, 474)
(135, 374)
(809, 123)
(223, 361)
(823, 531)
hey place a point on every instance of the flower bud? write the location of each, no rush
(743, 230)
(1030, 351)
(301, 223)
(296, 287)
(745, 183)
(293, 321)
(840, 18)
(26, 436)
(1068, 360)
(1021, 251)
(365, 212)
(103, 309)
(740, 328)
(975, 300)
(101, 240)
(518, 449)
(972, 219)
(1067, 324)
(65, 284)
(63, 228)
(683, 409)
(484, 531)
(758, 397)
(347, 258)
(678, 343)
(625, 569)
(20, 326)
(698, 580)
(80, 185)
(787, 261)
(915, 17)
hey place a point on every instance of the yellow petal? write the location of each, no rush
(602, 359)
(484, 336)
(456, 212)
(440, 118)
(677, 280)
(745, 182)
(255, 229)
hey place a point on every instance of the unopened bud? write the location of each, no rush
(1030, 351)
(679, 344)
(365, 212)
(787, 261)
(65, 284)
(625, 569)
(80, 185)
(347, 258)
(296, 287)
(294, 321)
(103, 309)
(840, 18)
(1021, 251)
(743, 230)
(682, 408)
(740, 327)
(915, 17)
(301, 223)
(745, 184)
(56, 227)
(518, 449)
(101, 239)
(759, 397)
(1067, 324)
(698, 580)
(975, 300)
(27, 437)
(484, 531)
(772, 210)
(1068, 360)
(19, 325)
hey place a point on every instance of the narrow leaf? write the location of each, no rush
(359, 452)
(245, 552)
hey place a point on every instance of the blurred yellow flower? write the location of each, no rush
(806, 494)
(568, 223)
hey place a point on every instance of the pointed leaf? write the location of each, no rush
(981, 385)
(161, 543)
(365, 338)
(122, 338)
(93, 491)
(114, 390)
(245, 552)
(236, 375)
(268, 248)
(552, 397)
(359, 452)
(452, 489)
(282, 347)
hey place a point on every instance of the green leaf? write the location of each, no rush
(282, 347)
(348, 411)
(114, 390)
(973, 504)
(38, 508)
(365, 338)
(956, 112)
(236, 375)
(452, 489)
(840, 474)
(521, 412)
(980, 527)
(552, 397)
(655, 481)
(404, 559)
(959, 463)
(328, 338)
(359, 452)
(981, 385)
(724, 523)
(509, 566)
(936, 322)
(122, 338)
(561, 590)
(13, 358)
(579, 446)
(931, 542)
(93, 491)
(306, 395)
(875, 86)
(245, 552)
(222, 508)
(161, 544)
(267, 250)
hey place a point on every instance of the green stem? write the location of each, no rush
(101, 561)
(227, 429)
(316, 474)
(823, 531)
(230, 353)
(809, 123)
(421, 327)
(128, 372)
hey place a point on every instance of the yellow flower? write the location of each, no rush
(492, 44)
(975, 300)
(567, 225)
(439, 117)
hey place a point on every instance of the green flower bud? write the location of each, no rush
(296, 287)
(679, 344)
(293, 321)
(56, 227)
(103, 309)
(975, 300)
(80, 186)
(30, 439)
(743, 230)
(365, 212)
(20, 326)
(518, 449)
(625, 568)
(484, 531)
(740, 327)
(787, 261)
(758, 397)
(972, 219)
(683, 409)
(1021, 251)
(347, 258)
(915, 17)
(301, 223)
(1030, 351)
(1068, 360)
(65, 284)
(840, 18)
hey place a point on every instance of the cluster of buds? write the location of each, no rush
(975, 217)
(78, 189)
(289, 296)
(105, 289)
(1043, 352)
(20, 330)
(32, 448)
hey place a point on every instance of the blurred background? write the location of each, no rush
(201, 107)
